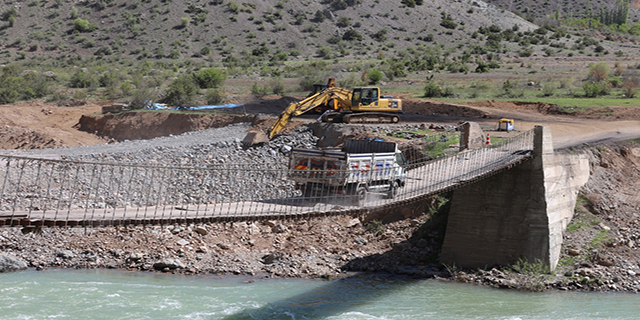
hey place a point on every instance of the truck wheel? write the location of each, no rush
(308, 191)
(393, 190)
(361, 195)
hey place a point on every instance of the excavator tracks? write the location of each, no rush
(368, 117)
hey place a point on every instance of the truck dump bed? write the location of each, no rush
(359, 161)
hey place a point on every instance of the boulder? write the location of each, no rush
(201, 230)
(168, 263)
(65, 254)
(255, 137)
(271, 258)
(11, 264)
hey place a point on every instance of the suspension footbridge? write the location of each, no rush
(45, 192)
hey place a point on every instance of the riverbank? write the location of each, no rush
(320, 247)
(599, 250)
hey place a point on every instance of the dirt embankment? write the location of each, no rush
(149, 125)
(38, 125)
(430, 107)
(603, 113)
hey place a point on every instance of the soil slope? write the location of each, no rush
(37, 125)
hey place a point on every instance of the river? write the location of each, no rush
(109, 294)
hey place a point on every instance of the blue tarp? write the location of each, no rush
(155, 106)
(228, 105)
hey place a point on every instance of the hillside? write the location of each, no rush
(43, 29)
(538, 10)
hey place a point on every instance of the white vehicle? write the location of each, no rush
(360, 167)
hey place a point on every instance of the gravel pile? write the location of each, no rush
(200, 167)
(208, 166)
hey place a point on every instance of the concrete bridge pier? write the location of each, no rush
(520, 213)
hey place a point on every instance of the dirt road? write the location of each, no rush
(567, 131)
(37, 125)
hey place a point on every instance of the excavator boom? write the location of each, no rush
(308, 104)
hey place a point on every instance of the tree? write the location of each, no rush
(181, 91)
(630, 87)
(210, 78)
(598, 72)
(374, 76)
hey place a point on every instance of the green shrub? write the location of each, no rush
(598, 72)
(140, 97)
(277, 86)
(319, 16)
(343, 22)
(81, 79)
(215, 97)
(630, 87)
(175, 54)
(109, 79)
(374, 76)
(83, 25)
(125, 87)
(260, 91)
(594, 89)
(210, 78)
(181, 91)
(352, 35)
(525, 52)
(447, 22)
(482, 67)
(184, 22)
(548, 89)
(432, 90)
(324, 52)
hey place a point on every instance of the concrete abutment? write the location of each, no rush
(520, 213)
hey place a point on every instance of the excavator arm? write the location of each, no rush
(300, 107)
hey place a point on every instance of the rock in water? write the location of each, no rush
(11, 264)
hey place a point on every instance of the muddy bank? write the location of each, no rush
(149, 125)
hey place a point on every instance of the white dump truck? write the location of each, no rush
(360, 167)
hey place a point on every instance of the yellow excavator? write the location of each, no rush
(362, 105)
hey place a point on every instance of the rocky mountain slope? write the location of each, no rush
(45, 29)
(538, 10)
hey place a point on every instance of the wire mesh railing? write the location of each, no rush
(72, 193)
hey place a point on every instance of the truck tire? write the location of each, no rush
(393, 190)
(308, 192)
(361, 195)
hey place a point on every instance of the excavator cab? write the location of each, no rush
(364, 96)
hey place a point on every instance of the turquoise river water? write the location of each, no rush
(108, 294)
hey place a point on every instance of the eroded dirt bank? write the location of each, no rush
(149, 125)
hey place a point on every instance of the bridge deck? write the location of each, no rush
(65, 193)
